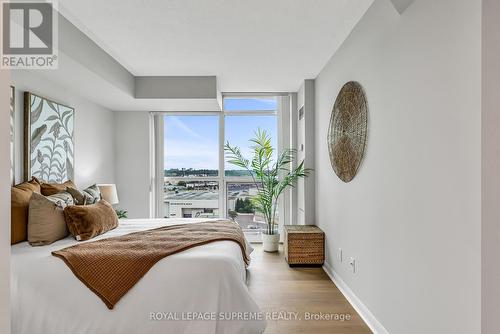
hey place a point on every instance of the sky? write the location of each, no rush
(231, 104)
(192, 141)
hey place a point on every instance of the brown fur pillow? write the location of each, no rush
(86, 222)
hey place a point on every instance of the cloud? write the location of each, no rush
(178, 124)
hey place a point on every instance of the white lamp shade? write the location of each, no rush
(109, 193)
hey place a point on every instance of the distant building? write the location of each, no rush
(200, 199)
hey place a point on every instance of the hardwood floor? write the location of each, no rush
(278, 288)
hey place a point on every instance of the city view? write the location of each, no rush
(192, 151)
(200, 199)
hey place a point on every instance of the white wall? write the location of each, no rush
(490, 168)
(94, 130)
(412, 215)
(305, 133)
(132, 162)
(4, 200)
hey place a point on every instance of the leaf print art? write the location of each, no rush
(51, 144)
(36, 137)
(12, 135)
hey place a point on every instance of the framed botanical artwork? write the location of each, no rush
(48, 139)
(12, 136)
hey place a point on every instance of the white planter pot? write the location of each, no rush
(270, 242)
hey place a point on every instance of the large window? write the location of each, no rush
(191, 165)
(197, 181)
(239, 128)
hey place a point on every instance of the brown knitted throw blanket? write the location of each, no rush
(111, 267)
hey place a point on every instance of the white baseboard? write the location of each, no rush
(356, 303)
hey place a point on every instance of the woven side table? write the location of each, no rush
(304, 245)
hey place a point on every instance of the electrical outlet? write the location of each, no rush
(340, 255)
(352, 263)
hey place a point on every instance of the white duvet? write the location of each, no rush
(204, 282)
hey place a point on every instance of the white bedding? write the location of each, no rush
(46, 298)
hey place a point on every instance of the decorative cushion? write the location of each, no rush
(91, 195)
(63, 199)
(20, 199)
(49, 189)
(87, 221)
(46, 222)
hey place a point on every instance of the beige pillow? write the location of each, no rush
(46, 223)
(87, 221)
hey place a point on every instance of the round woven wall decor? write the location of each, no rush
(347, 131)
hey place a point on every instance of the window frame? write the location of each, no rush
(161, 170)
(280, 113)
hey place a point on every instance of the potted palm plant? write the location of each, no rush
(270, 178)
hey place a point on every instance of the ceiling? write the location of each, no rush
(257, 45)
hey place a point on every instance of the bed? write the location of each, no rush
(205, 282)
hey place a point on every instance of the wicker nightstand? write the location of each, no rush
(304, 245)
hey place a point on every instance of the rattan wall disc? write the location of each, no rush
(347, 131)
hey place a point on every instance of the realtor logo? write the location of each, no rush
(29, 35)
